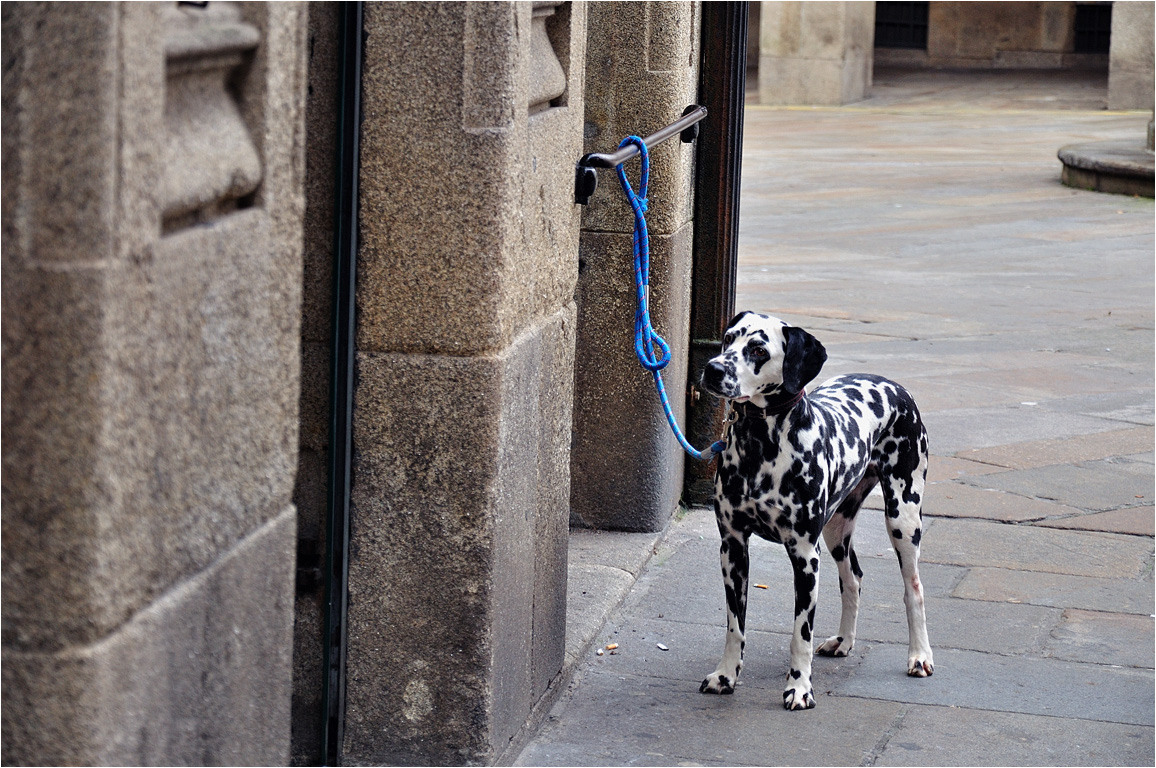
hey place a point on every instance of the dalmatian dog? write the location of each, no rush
(798, 465)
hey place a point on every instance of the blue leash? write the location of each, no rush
(646, 339)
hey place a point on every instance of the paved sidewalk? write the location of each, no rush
(929, 241)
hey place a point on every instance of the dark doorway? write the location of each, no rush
(901, 25)
(1093, 27)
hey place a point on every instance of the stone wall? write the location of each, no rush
(815, 53)
(1130, 71)
(152, 159)
(642, 73)
(998, 35)
(1034, 35)
(465, 350)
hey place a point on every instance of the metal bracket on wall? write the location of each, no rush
(586, 173)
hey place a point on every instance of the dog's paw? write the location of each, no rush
(798, 694)
(717, 682)
(835, 646)
(920, 667)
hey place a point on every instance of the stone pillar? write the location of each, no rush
(1130, 68)
(151, 259)
(815, 53)
(642, 74)
(465, 349)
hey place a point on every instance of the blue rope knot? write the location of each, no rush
(646, 339)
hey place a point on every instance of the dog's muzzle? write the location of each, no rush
(714, 377)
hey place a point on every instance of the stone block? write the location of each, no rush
(199, 677)
(626, 464)
(461, 493)
(642, 72)
(815, 53)
(450, 261)
(1130, 60)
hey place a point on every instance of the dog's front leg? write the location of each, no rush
(805, 562)
(735, 560)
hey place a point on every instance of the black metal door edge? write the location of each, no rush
(722, 87)
(341, 386)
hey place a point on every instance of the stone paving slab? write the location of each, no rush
(1025, 684)
(977, 737)
(944, 468)
(953, 431)
(1104, 638)
(592, 592)
(1094, 485)
(1027, 548)
(632, 720)
(1058, 590)
(1041, 453)
(958, 499)
(1138, 521)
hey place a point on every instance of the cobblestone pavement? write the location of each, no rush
(928, 240)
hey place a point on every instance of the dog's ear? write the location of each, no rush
(735, 319)
(803, 359)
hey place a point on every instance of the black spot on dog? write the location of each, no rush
(855, 569)
(915, 537)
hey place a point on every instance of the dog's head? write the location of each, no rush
(762, 357)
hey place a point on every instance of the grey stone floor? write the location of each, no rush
(930, 240)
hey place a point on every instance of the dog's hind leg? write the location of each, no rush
(903, 498)
(837, 535)
(735, 558)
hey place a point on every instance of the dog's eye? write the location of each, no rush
(760, 353)
(728, 339)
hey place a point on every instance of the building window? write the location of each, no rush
(901, 25)
(1093, 27)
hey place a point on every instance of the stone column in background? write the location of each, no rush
(465, 349)
(1130, 60)
(815, 53)
(151, 298)
(642, 73)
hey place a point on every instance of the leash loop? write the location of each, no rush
(646, 339)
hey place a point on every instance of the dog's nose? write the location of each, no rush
(712, 375)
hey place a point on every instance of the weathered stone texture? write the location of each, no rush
(1001, 34)
(149, 394)
(130, 698)
(1130, 61)
(462, 411)
(642, 74)
(815, 53)
(626, 465)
